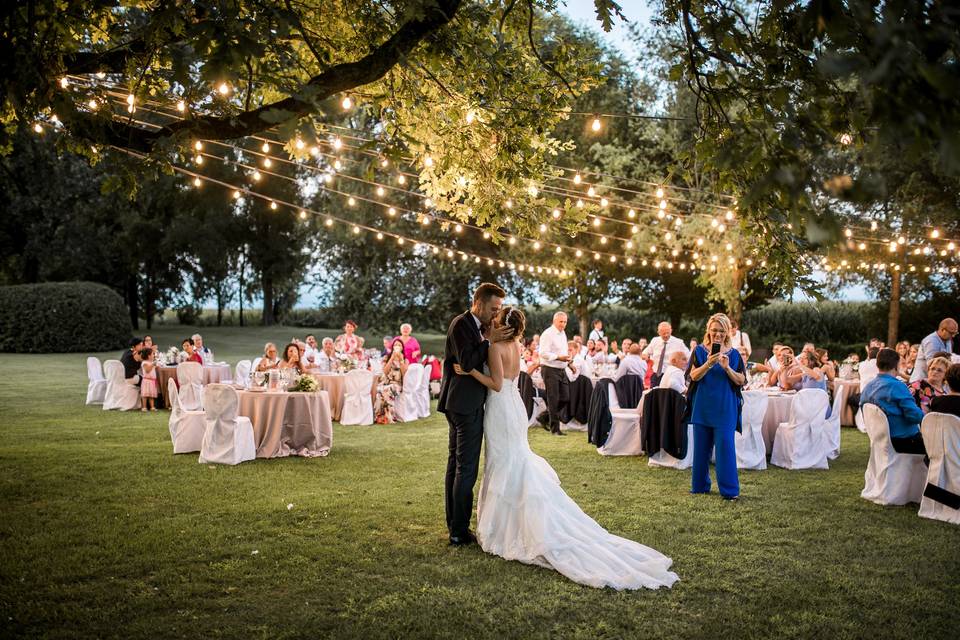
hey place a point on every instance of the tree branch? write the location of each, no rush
(536, 53)
(337, 79)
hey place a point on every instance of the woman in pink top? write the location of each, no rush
(411, 348)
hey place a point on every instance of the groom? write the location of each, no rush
(462, 399)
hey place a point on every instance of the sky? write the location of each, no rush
(635, 11)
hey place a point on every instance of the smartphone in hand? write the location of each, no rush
(715, 349)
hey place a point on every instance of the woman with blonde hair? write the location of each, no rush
(714, 401)
(934, 385)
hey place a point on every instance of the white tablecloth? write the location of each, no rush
(844, 388)
(778, 410)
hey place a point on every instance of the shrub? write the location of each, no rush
(57, 317)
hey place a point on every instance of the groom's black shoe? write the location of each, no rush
(558, 433)
(464, 540)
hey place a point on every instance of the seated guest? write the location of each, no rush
(533, 363)
(591, 349)
(784, 360)
(535, 343)
(933, 385)
(808, 346)
(310, 351)
(826, 364)
(867, 371)
(390, 384)
(575, 364)
(693, 344)
(894, 399)
(625, 348)
(205, 354)
(189, 353)
(600, 356)
(327, 356)
(349, 342)
(269, 359)
(912, 357)
(949, 403)
(904, 368)
(411, 348)
(632, 364)
(385, 352)
(577, 339)
(803, 374)
(643, 344)
(291, 358)
(615, 351)
(673, 373)
(130, 359)
(939, 340)
(772, 364)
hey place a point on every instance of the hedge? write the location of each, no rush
(58, 317)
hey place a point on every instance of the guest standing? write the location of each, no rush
(411, 348)
(939, 340)
(597, 333)
(148, 380)
(949, 403)
(741, 341)
(390, 384)
(661, 347)
(924, 391)
(714, 404)
(553, 363)
(349, 342)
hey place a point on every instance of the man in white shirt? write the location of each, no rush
(939, 340)
(575, 367)
(600, 355)
(326, 359)
(554, 357)
(660, 349)
(205, 354)
(632, 364)
(741, 342)
(597, 333)
(310, 351)
(673, 373)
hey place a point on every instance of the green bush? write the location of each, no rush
(58, 317)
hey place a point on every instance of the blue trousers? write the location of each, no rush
(705, 439)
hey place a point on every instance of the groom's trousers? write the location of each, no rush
(463, 465)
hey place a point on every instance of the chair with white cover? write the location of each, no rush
(97, 385)
(891, 477)
(241, 374)
(831, 428)
(190, 377)
(423, 397)
(255, 363)
(357, 403)
(868, 371)
(405, 406)
(751, 450)
(801, 443)
(120, 394)
(186, 427)
(227, 437)
(941, 438)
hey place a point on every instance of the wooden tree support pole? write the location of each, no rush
(893, 318)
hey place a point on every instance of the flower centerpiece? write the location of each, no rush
(172, 356)
(305, 383)
(849, 368)
(346, 362)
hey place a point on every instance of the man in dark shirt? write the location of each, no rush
(131, 361)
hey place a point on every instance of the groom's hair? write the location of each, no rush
(486, 291)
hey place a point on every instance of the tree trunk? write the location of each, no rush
(735, 304)
(267, 286)
(149, 302)
(583, 316)
(133, 300)
(893, 318)
(220, 305)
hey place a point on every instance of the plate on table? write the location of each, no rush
(256, 389)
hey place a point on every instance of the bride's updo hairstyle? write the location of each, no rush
(512, 317)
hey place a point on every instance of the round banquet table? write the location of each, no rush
(211, 374)
(844, 388)
(288, 423)
(778, 410)
(333, 384)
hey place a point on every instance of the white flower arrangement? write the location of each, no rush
(172, 356)
(305, 383)
(346, 362)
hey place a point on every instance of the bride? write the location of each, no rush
(523, 513)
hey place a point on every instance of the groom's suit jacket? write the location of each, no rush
(466, 347)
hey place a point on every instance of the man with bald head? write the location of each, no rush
(939, 340)
(660, 348)
(554, 357)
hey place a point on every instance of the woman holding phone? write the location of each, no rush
(714, 401)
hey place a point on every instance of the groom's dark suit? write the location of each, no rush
(462, 399)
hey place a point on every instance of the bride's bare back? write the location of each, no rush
(508, 355)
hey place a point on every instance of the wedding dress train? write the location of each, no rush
(523, 514)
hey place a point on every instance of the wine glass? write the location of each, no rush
(258, 378)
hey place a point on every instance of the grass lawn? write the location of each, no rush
(104, 532)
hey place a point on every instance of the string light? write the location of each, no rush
(38, 128)
(92, 104)
(197, 182)
(346, 103)
(273, 205)
(428, 161)
(224, 88)
(266, 147)
(181, 106)
(596, 124)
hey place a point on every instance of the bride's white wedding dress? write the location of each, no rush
(523, 513)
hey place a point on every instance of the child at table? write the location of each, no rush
(148, 381)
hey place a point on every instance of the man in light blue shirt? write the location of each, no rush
(938, 341)
(894, 399)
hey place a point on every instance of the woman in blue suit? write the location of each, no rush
(714, 401)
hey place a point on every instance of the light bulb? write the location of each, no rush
(729, 215)
(596, 124)
(198, 159)
(346, 103)
(130, 99)
(663, 205)
(604, 202)
(458, 228)
(631, 214)
(337, 164)
(659, 193)
(64, 83)
(470, 116)
(556, 214)
(402, 179)
(337, 143)
(181, 106)
(428, 161)
(577, 179)
(92, 104)
(38, 128)
(935, 233)
(351, 201)
(508, 204)
(579, 204)
(299, 144)
(356, 229)
(196, 182)
(391, 212)
(256, 175)
(328, 222)
(847, 232)
(512, 240)
(303, 215)
(591, 192)
(596, 222)
(383, 163)
(224, 88)
(380, 191)
(101, 75)
(267, 162)
(266, 147)
(236, 194)
(273, 205)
